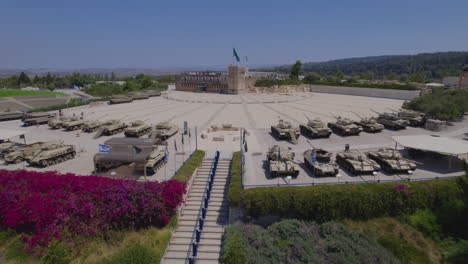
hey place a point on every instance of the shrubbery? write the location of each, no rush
(235, 185)
(354, 201)
(186, 171)
(271, 82)
(48, 206)
(441, 104)
(72, 103)
(293, 241)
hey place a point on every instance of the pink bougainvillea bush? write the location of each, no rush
(49, 205)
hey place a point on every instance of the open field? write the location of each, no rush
(256, 113)
(14, 92)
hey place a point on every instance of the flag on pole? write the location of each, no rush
(136, 150)
(166, 155)
(314, 157)
(104, 148)
(234, 53)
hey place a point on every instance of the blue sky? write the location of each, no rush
(160, 34)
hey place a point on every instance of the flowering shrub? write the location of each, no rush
(48, 205)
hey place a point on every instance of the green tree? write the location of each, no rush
(146, 81)
(23, 79)
(312, 77)
(296, 69)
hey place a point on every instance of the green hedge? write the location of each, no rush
(271, 82)
(235, 186)
(72, 103)
(186, 171)
(355, 201)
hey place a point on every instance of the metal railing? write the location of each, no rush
(192, 251)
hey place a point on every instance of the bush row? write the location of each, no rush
(235, 185)
(72, 103)
(354, 201)
(186, 170)
(48, 206)
(272, 82)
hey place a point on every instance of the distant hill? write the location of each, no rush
(428, 65)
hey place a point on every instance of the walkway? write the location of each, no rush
(209, 247)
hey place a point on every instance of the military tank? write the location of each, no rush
(414, 118)
(281, 162)
(137, 128)
(320, 163)
(163, 131)
(74, 124)
(57, 122)
(137, 96)
(151, 93)
(50, 155)
(392, 161)
(24, 152)
(120, 99)
(10, 115)
(111, 127)
(356, 162)
(285, 130)
(8, 147)
(369, 124)
(315, 128)
(391, 120)
(344, 126)
(92, 125)
(32, 119)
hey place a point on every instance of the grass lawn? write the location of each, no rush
(186, 171)
(14, 92)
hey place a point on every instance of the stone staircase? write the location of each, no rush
(209, 247)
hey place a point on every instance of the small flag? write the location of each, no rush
(314, 157)
(21, 136)
(104, 148)
(234, 53)
(166, 155)
(136, 150)
(189, 134)
(175, 145)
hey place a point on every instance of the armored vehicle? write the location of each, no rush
(285, 130)
(414, 118)
(281, 162)
(74, 124)
(319, 162)
(315, 128)
(164, 130)
(137, 128)
(120, 99)
(344, 127)
(50, 155)
(10, 115)
(391, 160)
(24, 152)
(152, 93)
(111, 127)
(141, 152)
(356, 162)
(32, 119)
(137, 96)
(91, 126)
(8, 147)
(57, 122)
(369, 124)
(391, 120)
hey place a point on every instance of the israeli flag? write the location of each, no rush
(314, 157)
(104, 148)
(76, 87)
(166, 155)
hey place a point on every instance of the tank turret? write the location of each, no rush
(281, 162)
(285, 130)
(392, 161)
(344, 126)
(315, 128)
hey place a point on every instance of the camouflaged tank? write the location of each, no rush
(391, 160)
(391, 120)
(163, 131)
(344, 127)
(74, 124)
(281, 162)
(8, 147)
(315, 128)
(32, 119)
(137, 96)
(155, 160)
(10, 115)
(369, 124)
(356, 162)
(111, 127)
(151, 93)
(57, 122)
(24, 152)
(285, 130)
(320, 163)
(120, 99)
(50, 155)
(137, 128)
(414, 118)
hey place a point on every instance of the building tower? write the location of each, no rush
(236, 78)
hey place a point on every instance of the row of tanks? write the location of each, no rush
(316, 128)
(320, 163)
(40, 154)
(129, 97)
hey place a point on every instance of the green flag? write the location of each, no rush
(136, 150)
(234, 53)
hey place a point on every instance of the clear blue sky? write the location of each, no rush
(158, 34)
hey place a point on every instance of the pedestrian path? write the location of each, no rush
(199, 224)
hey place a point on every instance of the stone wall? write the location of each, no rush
(369, 92)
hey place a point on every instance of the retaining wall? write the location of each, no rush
(369, 92)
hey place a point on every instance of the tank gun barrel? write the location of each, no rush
(308, 119)
(334, 116)
(376, 112)
(356, 114)
(393, 110)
